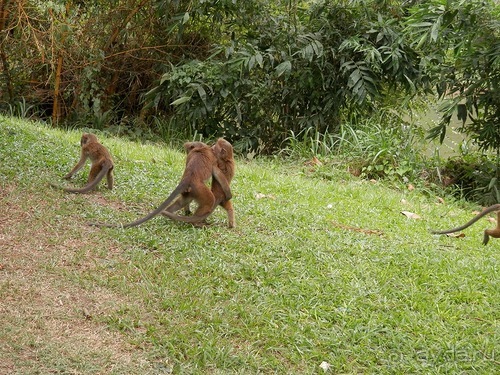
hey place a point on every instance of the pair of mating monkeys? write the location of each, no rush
(202, 162)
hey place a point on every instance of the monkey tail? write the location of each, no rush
(56, 186)
(105, 225)
(181, 188)
(91, 185)
(187, 219)
(495, 207)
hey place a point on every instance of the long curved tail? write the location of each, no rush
(91, 185)
(187, 219)
(495, 207)
(182, 187)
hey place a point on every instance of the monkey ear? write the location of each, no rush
(189, 146)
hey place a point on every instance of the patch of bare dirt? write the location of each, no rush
(49, 322)
(99, 200)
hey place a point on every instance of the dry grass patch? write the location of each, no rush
(50, 323)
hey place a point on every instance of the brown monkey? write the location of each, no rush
(185, 199)
(201, 164)
(223, 151)
(495, 233)
(101, 164)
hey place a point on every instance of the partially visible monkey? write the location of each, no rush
(223, 151)
(495, 233)
(201, 164)
(101, 164)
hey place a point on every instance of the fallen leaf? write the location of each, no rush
(411, 187)
(456, 235)
(411, 215)
(404, 201)
(440, 200)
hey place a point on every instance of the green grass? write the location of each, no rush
(292, 286)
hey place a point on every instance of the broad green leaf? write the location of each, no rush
(284, 67)
(259, 59)
(354, 78)
(308, 52)
(202, 93)
(435, 29)
(164, 78)
(422, 40)
(421, 24)
(492, 183)
(317, 47)
(181, 100)
(250, 62)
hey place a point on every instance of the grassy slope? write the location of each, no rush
(293, 285)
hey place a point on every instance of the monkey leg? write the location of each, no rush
(94, 171)
(228, 206)
(486, 237)
(182, 202)
(77, 167)
(110, 179)
(495, 233)
(205, 198)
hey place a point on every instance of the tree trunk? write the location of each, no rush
(4, 14)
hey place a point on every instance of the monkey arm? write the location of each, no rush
(222, 180)
(77, 167)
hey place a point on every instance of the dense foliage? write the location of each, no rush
(307, 70)
(461, 44)
(254, 71)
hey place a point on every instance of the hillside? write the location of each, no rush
(317, 270)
